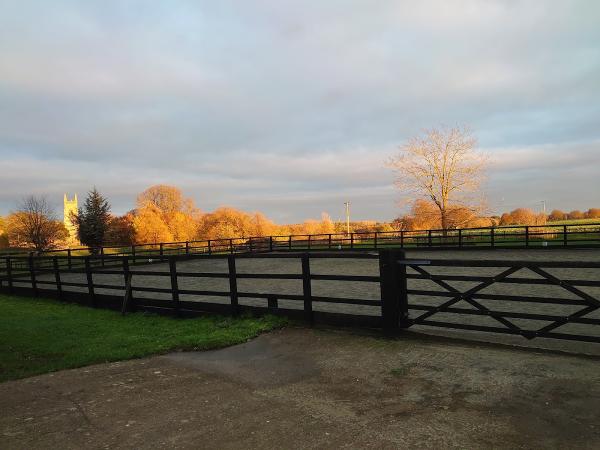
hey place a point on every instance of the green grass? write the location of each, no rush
(574, 222)
(39, 336)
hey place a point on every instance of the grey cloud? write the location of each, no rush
(291, 107)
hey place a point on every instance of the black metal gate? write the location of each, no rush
(551, 299)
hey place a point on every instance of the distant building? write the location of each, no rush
(70, 207)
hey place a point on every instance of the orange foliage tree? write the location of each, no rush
(150, 227)
(312, 227)
(576, 215)
(165, 215)
(226, 222)
(556, 215)
(424, 215)
(121, 230)
(3, 233)
(593, 213)
(522, 216)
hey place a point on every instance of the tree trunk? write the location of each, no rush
(444, 221)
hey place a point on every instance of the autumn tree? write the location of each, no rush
(168, 199)
(442, 166)
(150, 227)
(384, 227)
(576, 215)
(226, 222)
(593, 213)
(522, 216)
(424, 215)
(310, 226)
(460, 217)
(326, 226)
(556, 215)
(262, 226)
(3, 233)
(178, 214)
(35, 224)
(121, 230)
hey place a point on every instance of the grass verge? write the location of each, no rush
(39, 335)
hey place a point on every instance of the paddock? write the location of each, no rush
(564, 302)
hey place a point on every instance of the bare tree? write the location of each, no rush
(35, 222)
(443, 166)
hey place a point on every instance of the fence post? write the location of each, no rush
(393, 286)
(231, 246)
(460, 238)
(187, 247)
(250, 244)
(402, 239)
(102, 256)
(309, 236)
(526, 236)
(160, 250)
(90, 282)
(270, 243)
(132, 253)
(329, 241)
(127, 278)
(306, 289)
(290, 241)
(209, 247)
(429, 238)
(174, 285)
(375, 240)
(351, 240)
(492, 236)
(9, 275)
(565, 235)
(57, 277)
(233, 285)
(32, 275)
(69, 262)
(272, 302)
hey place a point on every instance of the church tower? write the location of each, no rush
(70, 206)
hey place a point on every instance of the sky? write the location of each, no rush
(293, 107)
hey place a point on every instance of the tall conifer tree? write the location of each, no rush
(92, 220)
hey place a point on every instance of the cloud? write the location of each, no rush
(292, 107)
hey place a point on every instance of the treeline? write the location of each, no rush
(425, 215)
(557, 215)
(161, 214)
(526, 216)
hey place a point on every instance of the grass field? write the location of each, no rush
(39, 335)
(574, 222)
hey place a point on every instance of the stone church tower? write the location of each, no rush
(70, 206)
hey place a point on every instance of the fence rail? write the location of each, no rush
(557, 299)
(527, 236)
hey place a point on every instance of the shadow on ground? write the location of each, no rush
(303, 388)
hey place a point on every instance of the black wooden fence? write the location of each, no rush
(527, 236)
(462, 294)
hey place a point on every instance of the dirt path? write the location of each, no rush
(301, 388)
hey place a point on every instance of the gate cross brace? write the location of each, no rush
(468, 296)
